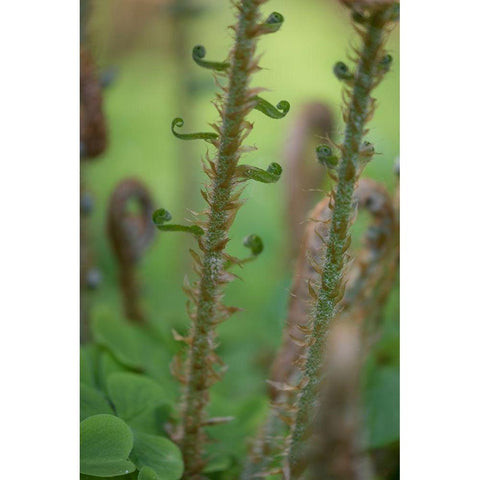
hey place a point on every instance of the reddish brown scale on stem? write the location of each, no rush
(93, 131)
(130, 234)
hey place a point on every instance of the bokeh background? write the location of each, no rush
(149, 49)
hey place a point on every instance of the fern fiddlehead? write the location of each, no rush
(129, 236)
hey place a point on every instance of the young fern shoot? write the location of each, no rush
(203, 367)
(373, 20)
(130, 234)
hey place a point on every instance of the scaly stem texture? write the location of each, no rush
(329, 294)
(237, 104)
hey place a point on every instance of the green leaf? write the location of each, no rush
(207, 136)
(270, 175)
(108, 365)
(158, 453)
(88, 364)
(132, 394)
(147, 473)
(160, 216)
(122, 339)
(198, 55)
(130, 476)
(92, 402)
(382, 406)
(153, 420)
(281, 109)
(140, 401)
(105, 444)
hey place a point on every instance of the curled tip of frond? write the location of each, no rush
(358, 17)
(367, 149)
(198, 54)
(342, 72)
(207, 136)
(272, 24)
(270, 110)
(385, 63)
(162, 216)
(363, 9)
(326, 156)
(270, 175)
(254, 243)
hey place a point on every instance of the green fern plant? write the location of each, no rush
(203, 367)
(373, 21)
(126, 415)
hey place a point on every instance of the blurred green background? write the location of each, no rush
(140, 39)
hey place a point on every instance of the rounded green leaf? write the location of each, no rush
(158, 453)
(133, 393)
(107, 365)
(105, 444)
(92, 402)
(129, 476)
(123, 340)
(88, 364)
(147, 473)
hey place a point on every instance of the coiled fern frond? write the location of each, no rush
(130, 234)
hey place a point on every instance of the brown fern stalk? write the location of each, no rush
(303, 177)
(202, 367)
(337, 447)
(93, 130)
(129, 235)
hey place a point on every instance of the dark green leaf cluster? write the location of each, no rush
(123, 414)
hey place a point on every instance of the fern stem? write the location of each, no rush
(359, 109)
(201, 358)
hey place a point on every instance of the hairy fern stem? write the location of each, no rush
(203, 367)
(359, 111)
